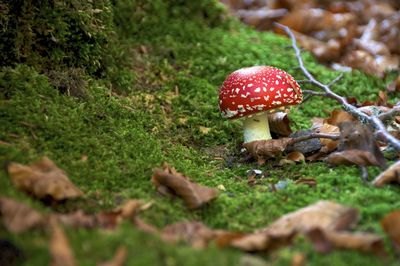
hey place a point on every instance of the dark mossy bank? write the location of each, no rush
(131, 84)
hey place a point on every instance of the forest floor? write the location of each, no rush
(108, 141)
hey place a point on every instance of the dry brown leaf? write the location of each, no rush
(298, 259)
(353, 157)
(145, 227)
(296, 156)
(325, 240)
(329, 145)
(338, 116)
(261, 150)
(60, 249)
(118, 259)
(279, 123)
(390, 175)
(173, 182)
(78, 219)
(194, 233)
(391, 224)
(18, 217)
(357, 146)
(306, 181)
(326, 215)
(362, 60)
(110, 219)
(43, 179)
(261, 18)
(323, 214)
(263, 241)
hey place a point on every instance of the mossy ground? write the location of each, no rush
(147, 107)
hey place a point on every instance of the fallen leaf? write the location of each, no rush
(263, 241)
(326, 215)
(391, 225)
(194, 233)
(43, 179)
(60, 249)
(338, 116)
(390, 175)
(77, 219)
(325, 240)
(279, 123)
(306, 181)
(298, 259)
(173, 182)
(357, 146)
(18, 217)
(145, 227)
(128, 211)
(329, 144)
(118, 259)
(296, 156)
(352, 157)
(261, 150)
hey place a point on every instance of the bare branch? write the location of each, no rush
(315, 136)
(380, 130)
(314, 93)
(389, 115)
(335, 80)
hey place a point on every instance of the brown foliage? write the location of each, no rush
(169, 181)
(43, 179)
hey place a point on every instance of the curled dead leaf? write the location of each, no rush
(194, 233)
(18, 217)
(338, 116)
(329, 145)
(296, 156)
(325, 240)
(60, 249)
(390, 175)
(172, 182)
(261, 150)
(279, 123)
(352, 157)
(118, 259)
(391, 225)
(306, 181)
(43, 179)
(323, 214)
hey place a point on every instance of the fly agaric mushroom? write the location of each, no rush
(252, 92)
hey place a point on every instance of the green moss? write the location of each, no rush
(150, 82)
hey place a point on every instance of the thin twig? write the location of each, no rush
(380, 130)
(390, 114)
(335, 80)
(314, 93)
(315, 136)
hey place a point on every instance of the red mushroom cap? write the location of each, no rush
(257, 89)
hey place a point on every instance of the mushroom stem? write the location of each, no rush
(256, 127)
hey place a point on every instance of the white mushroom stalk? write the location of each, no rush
(256, 127)
(249, 93)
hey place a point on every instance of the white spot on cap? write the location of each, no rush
(279, 77)
(277, 82)
(290, 89)
(250, 85)
(264, 89)
(237, 90)
(266, 97)
(257, 90)
(272, 89)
